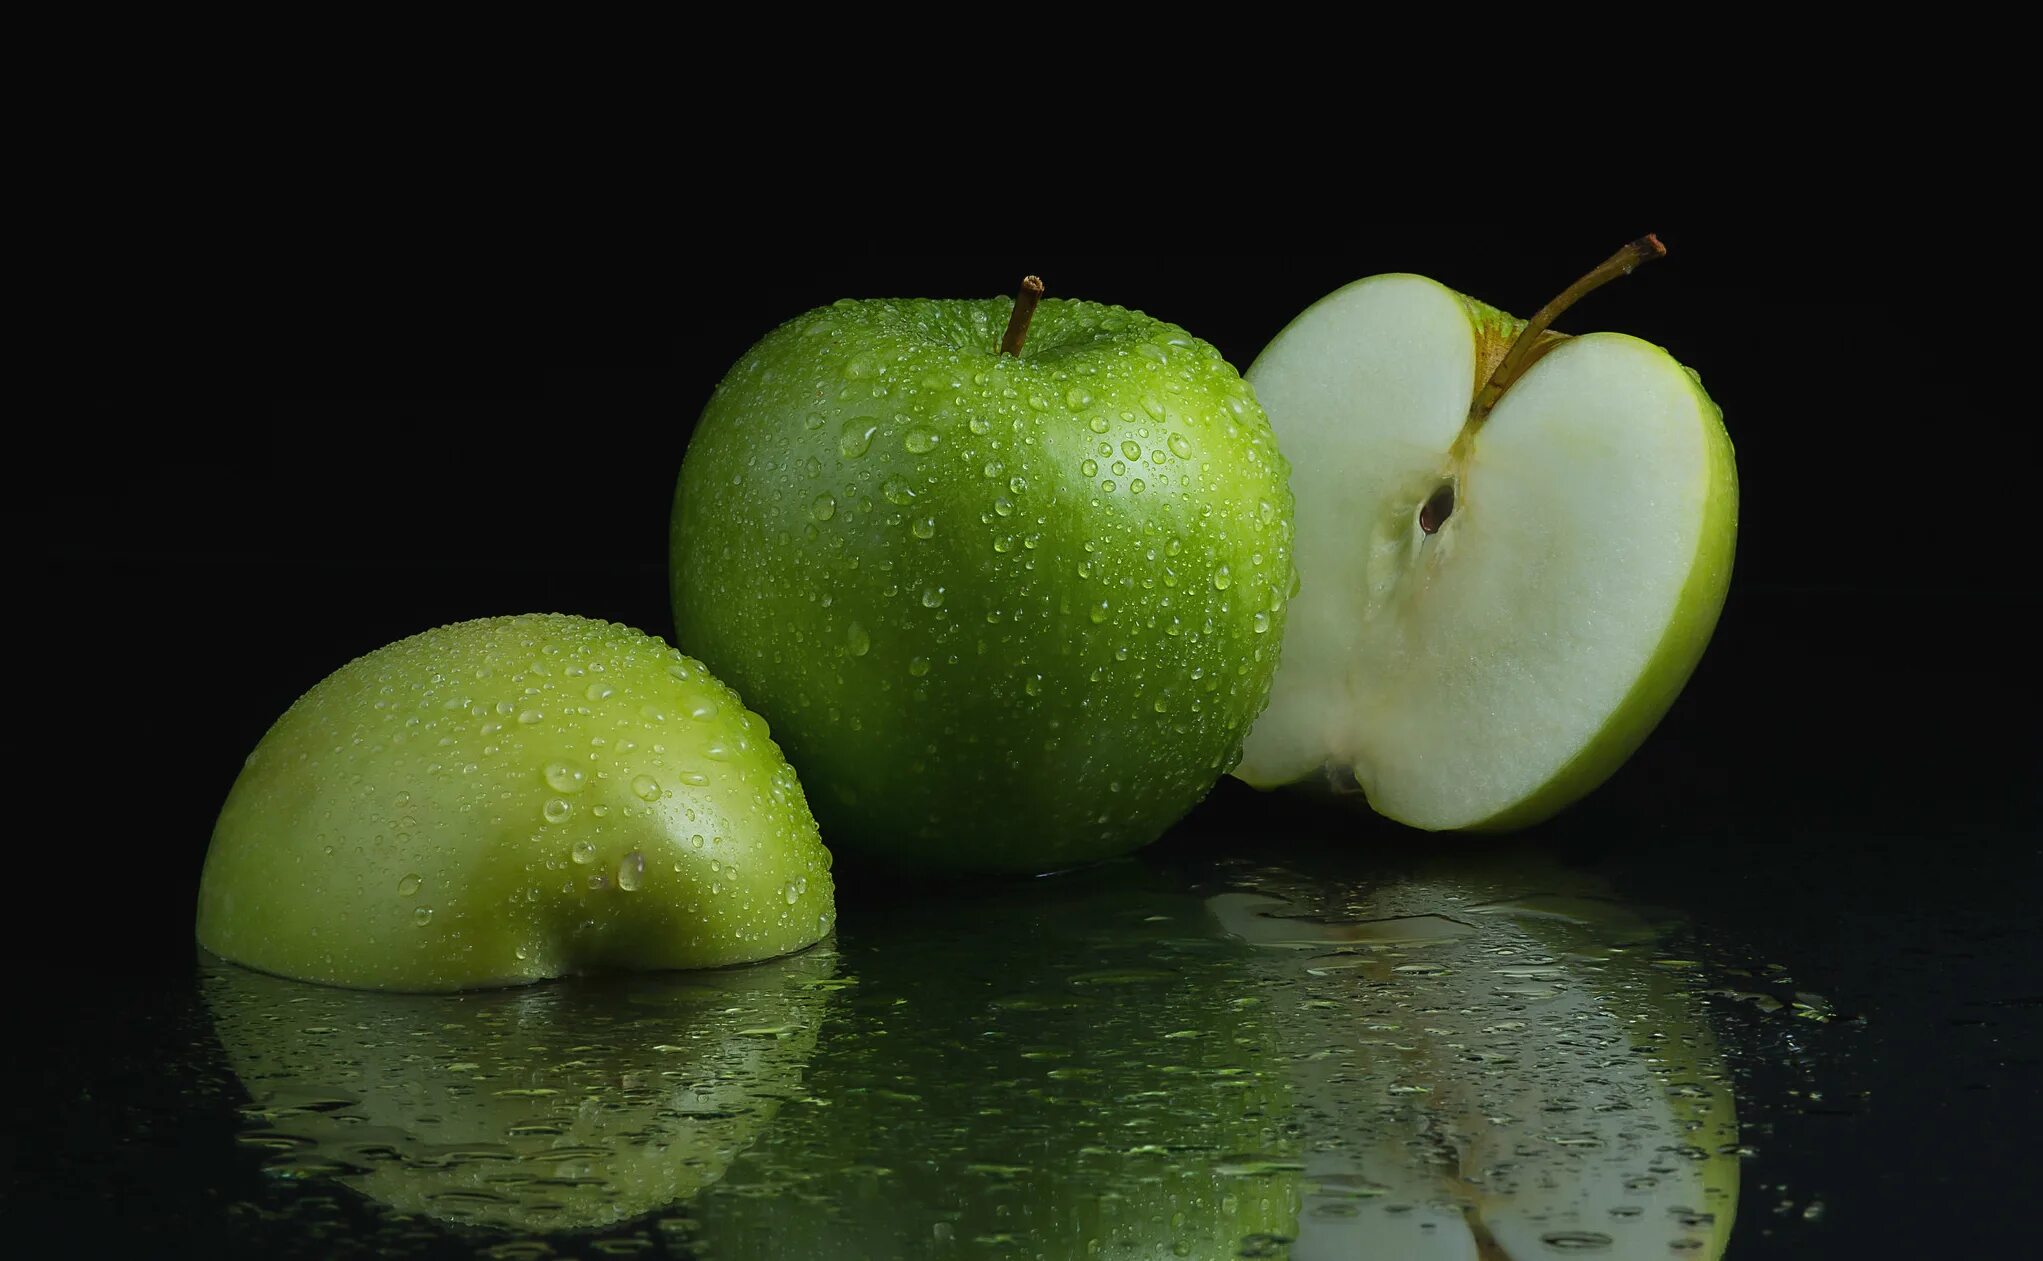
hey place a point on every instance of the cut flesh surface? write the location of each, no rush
(1486, 674)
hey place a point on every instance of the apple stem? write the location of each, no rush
(1530, 343)
(1024, 311)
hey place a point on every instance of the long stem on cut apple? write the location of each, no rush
(1024, 311)
(1530, 343)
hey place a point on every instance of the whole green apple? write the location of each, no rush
(1010, 603)
(506, 800)
(546, 1108)
(1090, 1071)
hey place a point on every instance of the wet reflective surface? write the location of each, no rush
(1495, 1051)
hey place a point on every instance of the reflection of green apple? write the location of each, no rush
(557, 1107)
(1086, 1074)
(1511, 562)
(511, 799)
(1503, 1071)
(1005, 611)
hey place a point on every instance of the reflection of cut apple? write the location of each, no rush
(542, 1109)
(1492, 1076)
(1513, 547)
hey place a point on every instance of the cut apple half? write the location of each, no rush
(1512, 549)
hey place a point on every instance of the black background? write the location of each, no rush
(428, 436)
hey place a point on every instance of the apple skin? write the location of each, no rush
(472, 806)
(548, 1108)
(1005, 614)
(1089, 1073)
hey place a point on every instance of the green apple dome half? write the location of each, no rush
(508, 800)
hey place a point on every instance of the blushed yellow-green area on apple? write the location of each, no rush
(511, 799)
(1006, 612)
(1495, 610)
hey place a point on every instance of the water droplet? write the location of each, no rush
(1153, 405)
(717, 751)
(631, 871)
(1576, 1240)
(789, 892)
(1097, 424)
(422, 916)
(563, 778)
(979, 425)
(824, 507)
(1003, 544)
(583, 852)
(1223, 578)
(1004, 506)
(856, 639)
(919, 439)
(1132, 449)
(1262, 622)
(1089, 467)
(1077, 396)
(646, 788)
(409, 885)
(1137, 486)
(1033, 685)
(599, 691)
(897, 491)
(813, 420)
(556, 809)
(1181, 446)
(856, 437)
(1108, 485)
(918, 666)
(924, 527)
(1099, 613)
(530, 716)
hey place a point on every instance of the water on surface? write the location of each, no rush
(1484, 1057)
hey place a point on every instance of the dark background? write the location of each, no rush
(1847, 784)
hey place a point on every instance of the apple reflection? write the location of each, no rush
(566, 1106)
(1492, 1060)
(1064, 1068)
(1483, 1059)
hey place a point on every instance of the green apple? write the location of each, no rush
(1513, 548)
(1006, 611)
(547, 1108)
(1500, 1067)
(1088, 1073)
(511, 799)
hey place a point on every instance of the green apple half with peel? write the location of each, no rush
(1010, 599)
(507, 800)
(543, 1108)
(1513, 547)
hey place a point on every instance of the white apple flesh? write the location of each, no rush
(1482, 661)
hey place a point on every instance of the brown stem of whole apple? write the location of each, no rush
(1024, 311)
(1529, 345)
